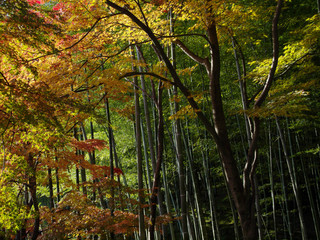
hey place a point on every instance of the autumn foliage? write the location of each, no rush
(62, 61)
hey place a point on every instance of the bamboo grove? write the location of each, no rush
(158, 119)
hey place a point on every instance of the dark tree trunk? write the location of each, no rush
(33, 192)
(51, 202)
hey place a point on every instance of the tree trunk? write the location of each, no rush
(194, 232)
(51, 202)
(146, 156)
(91, 154)
(286, 216)
(314, 212)
(212, 206)
(293, 182)
(272, 192)
(202, 226)
(167, 201)
(58, 184)
(178, 143)
(138, 136)
(146, 111)
(82, 171)
(111, 202)
(33, 192)
(162, 208)
(244, 100)
(156, 179)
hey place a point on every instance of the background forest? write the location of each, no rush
(155, 119)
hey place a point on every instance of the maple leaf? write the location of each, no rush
(58, 7)
(89, 145)
(33, 2)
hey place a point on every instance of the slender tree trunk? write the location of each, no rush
(146, 111)
(178, 142)
(286, 214)
(50, 185)
(181, 170)
(315, 173)
(117, 165)
(92, 157)
(147, 121)
(314, 212)
(139, 152)
(213, 212)
(193, 223)
(82, 171)
(200, 214)
(167, 200)
(22, 233)
(111, 202)
(146, 156)
(294, 183)
(272, 192)
(92, 154)
(33, 192)
(156, 179)
(58, 184)
(160, 197)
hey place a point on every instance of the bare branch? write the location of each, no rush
(4, 78)
(251, 163)
(130, 74)
(275, 58)
(291, 65)
(192, 55)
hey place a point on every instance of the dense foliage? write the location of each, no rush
(158, 119)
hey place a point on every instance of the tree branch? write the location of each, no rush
(5, 79)
(192, 55)
(291, 65)
(250, 166)
(185, 91)
(83, 37)
(275, 58)
(131, 74)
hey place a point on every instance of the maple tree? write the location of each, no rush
(36, 116)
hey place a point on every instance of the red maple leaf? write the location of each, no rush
(58, 7)
(89, 145)
(33, 2)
